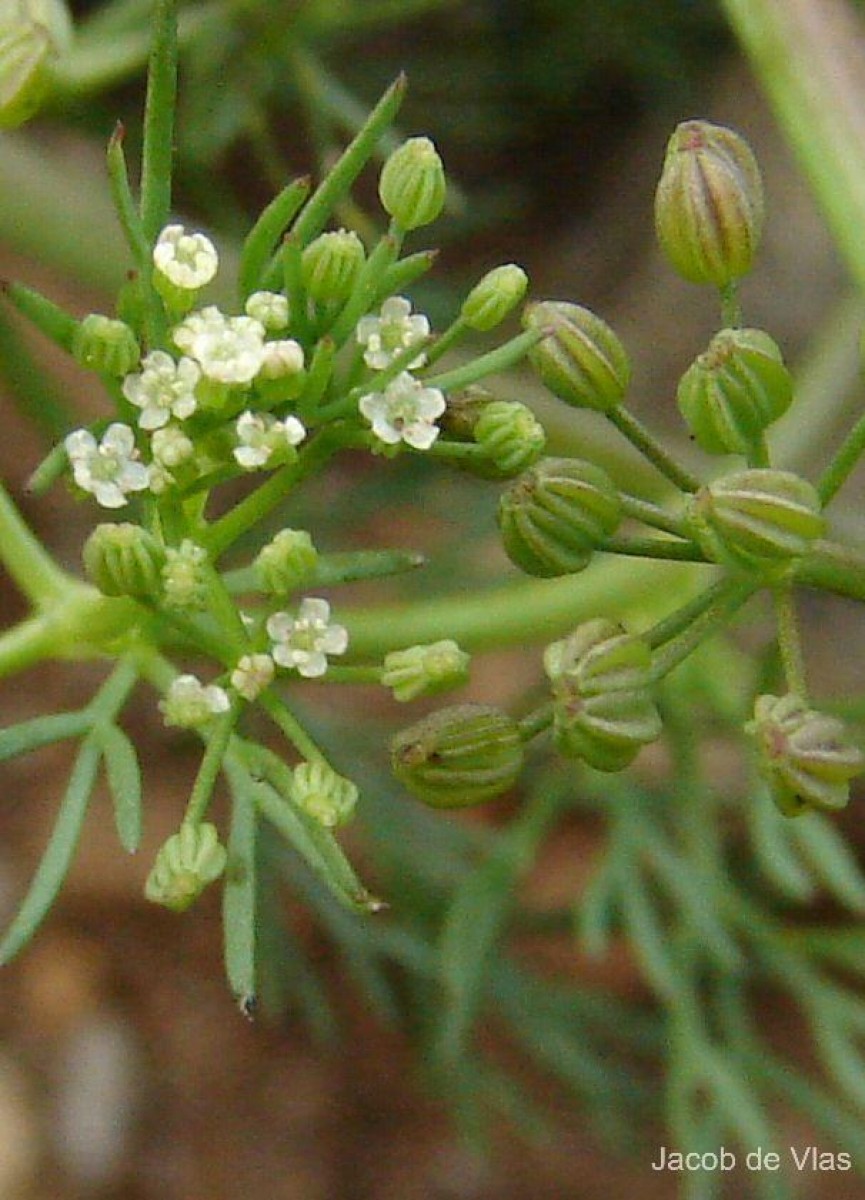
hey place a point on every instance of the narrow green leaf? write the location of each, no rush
(649, 941)
(831, 859)
(239, 901)
(841, 1059)
(124, 783)
(771, 836)
(256, 269)
(596, 908)
(42, 731)
(53, 868)
(57, 324)
(159, 119)
(404, 273)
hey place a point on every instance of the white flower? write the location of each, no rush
(270, 308)
(405, 411)
(260, 436)
(281, 359)
(164, 389)
(303, 642)
(228, 349)
(109, 469)
(253, 673)
(391, 332)
(171, 447)
(189, 704)
(187, 260)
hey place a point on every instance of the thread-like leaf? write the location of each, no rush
(831, 859)
(771, 840)
(239, 901)
(124, 783)
(42, 731)
(260, 243)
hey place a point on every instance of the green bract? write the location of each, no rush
(604, 710)
(459, 756)
(581, 360)
(554, 516)
(734, 391)
(709, 204)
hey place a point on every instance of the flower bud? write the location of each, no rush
(189, 704)
(511, 436)
(581, 360)
(709, 204)
(553, 517)
(412, 185)
(760, 519)
(124, 560)
(493, 297)
(330, 264)
(806, 756)
(734, 391)
(604, 710)
(32, 34)
(325, 796)
(184, 576)
(459, 756)
(286, 563)
(191, 859)
(105, 345)
(425, 670)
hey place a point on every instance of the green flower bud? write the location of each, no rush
(493, 297)
(191, 859)
(32, 34)
(760, 519)
(325, 796)
(185, 581)
(553, 517)
(425, 670)
(511, 436)
(330, 265)
(286, 563)
(709, 204)
(124, 560)
(459, 756)
(412, 186)
(806, 756)
(581, 361)
(734, 391)
(102, 344)
(604, 710)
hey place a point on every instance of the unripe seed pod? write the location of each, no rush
(582, 360)
(330, 265)
(709, 204)
(554, 516)
(103, 344)
(412, 186)
(327, 797)
(759, 520)
(124, 560)
(425, 670)
(286, 562)
(734, 391)
(604, 710)
(459, 756)
(806, 756)
(511, 436)
(191, 859)
(493, 297)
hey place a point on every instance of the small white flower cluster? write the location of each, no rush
(303, 643)
(216, 353)
(405, 410)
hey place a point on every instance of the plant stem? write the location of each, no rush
(789, 641)
(159, 120)
(501, 359)
(208, 771)
(653, 515)
(284, 719)
(637, 434)
(729, 596)
(843, 462)
(25, 558)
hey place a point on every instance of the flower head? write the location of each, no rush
(405, 411)
(187, 260)
(163, 389)
(171, 447)
(391, 332)
(253, 673)
(229, 350)
(189, 704)
(268, 308)
(108, 469)
(304, 642)
(281, 359)
(260, 438)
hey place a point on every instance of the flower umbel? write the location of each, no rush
(229, 350)
(302, 643)
(405, 411)
(394, 329)
(108, 469)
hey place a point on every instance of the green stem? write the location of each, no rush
(834, 568)
(26, 560)
(501, 359)
(536, 722)
(731, 309)
(159, 120)
(731, 594)
(287, 722)
(652, 547)
(843, 462)
(640, 437)
(653, 515)
(453, 334)
(208, 771)
(789, 641)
